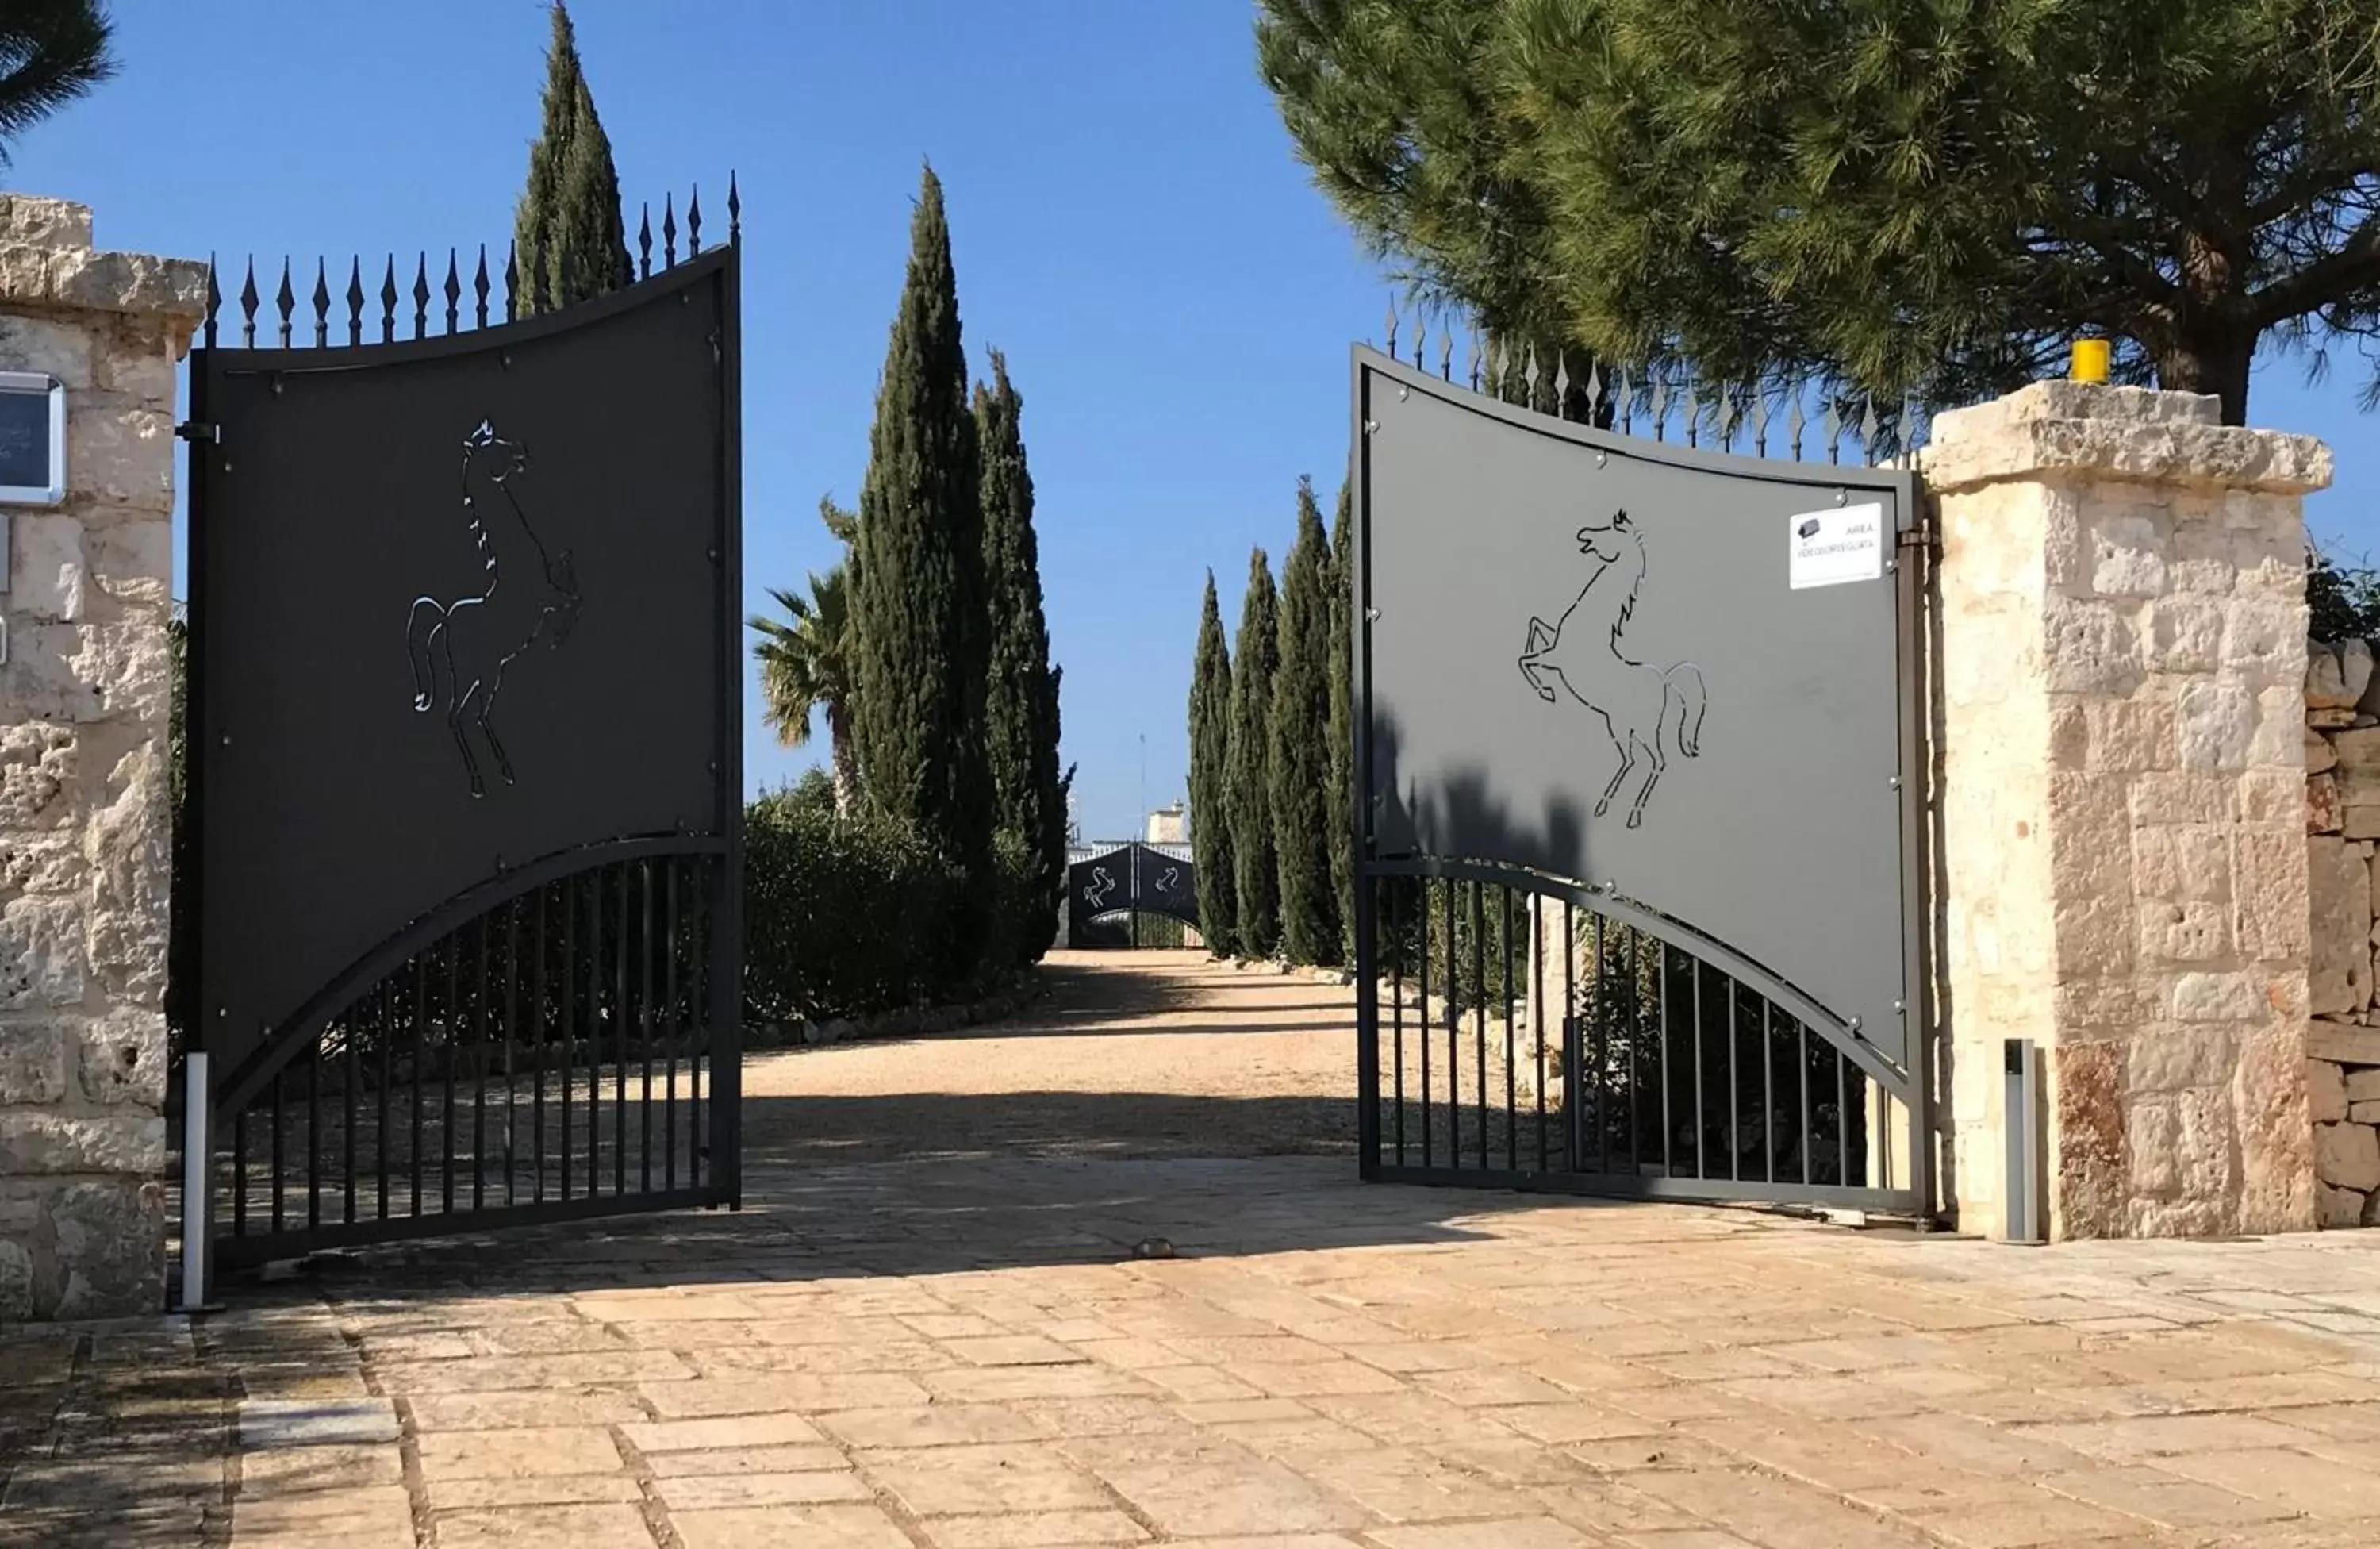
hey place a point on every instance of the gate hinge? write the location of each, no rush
(1922, 536)
(200, 430)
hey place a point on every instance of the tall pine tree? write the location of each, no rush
(918, 613)
(1298, 765)
(568, 224)
(1210, 757)
(1339, 806)
(1020, 712)
(1254, 868)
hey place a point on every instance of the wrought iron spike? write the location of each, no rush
(1659, 405)
(1561, 383)
(668, 233)
(1446, 353)
(1832, 424)
(1693, 412)
(356, 299)
(1475, 354)
(694, 223)
(286, 300)
(388, 302)
(511, 281)
(454, 288)
(645, 243)
(480, 289)
(1421, 340)
(735, 211)
(214, 300)
(1392, 328)
(1530, 375)
(248, 299)
(1594, 391)
(1796, 416)
(422, 296)
(321, 304)
(1868, 428)
(1759, 419)
(1623, 393)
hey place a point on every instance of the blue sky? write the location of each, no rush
(1130, 227)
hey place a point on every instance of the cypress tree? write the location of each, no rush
(1339, 806)
(569, 223)
(1210, 755)
(919, 614)
(1298, 765)
(1020, 711)
(1256, 869)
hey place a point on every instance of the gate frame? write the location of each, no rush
(1909, 563)
(722, 265)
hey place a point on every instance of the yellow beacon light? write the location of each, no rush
(2090, 361)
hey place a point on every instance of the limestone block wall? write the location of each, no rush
(83, 816)
(2121, 646)
(2342, 753)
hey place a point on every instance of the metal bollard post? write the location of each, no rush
(2021, 1129)
(198, 1179)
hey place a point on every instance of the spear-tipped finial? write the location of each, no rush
(735, 211)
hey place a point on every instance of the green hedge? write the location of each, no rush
(845, 916)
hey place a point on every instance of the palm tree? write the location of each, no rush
(50, 52)
(805, 662)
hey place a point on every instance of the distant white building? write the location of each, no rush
(1169, 826)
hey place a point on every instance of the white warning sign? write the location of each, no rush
(1831, 547)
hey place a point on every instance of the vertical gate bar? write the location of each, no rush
(1668, 1129)
(1631, 941)
(566, 998)
(1603, 1031)
(669, 999)
(446, 1068)
(1768, 1087)
(1392, 888)
(1538, 1012)
(1842, 1126)
(480, 1068)
(512, 1040)
(1802, 1028)
(280, 1122)
(314, 1127)
(1423, 1019)
(1734, 1097)
(1454, 977)
(1702, 1106)
(1479, 1011)
(645, 1021)
(356, 1019)
(620, 1043)
(387, 1042)
(595, 1032)
(1573, 1077)
(240, 1173)
(420, 1035)
(1512, 1061)
(698, 993)
(537, 1055)
(1364, 901)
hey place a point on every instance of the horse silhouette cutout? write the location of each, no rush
(1101, 886)
(1645, 710)
(461, 648)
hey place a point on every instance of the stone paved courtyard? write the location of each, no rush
(950, 1344)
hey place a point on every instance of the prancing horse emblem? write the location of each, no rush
(1645, 710)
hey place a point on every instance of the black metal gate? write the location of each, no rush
(1130, 879)
(1638, 801)
(465, 774)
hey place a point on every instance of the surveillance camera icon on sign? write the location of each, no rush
(1808, 529)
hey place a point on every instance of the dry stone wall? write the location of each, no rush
(2342, 753)
(83, 816)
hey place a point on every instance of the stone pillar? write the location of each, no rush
(83, 809)
(2122, 864)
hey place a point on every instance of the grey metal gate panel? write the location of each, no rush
(466, 764)
(1756, 731)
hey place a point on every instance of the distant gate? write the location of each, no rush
(465, 722)
(1131, 878)
(1637, 807)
